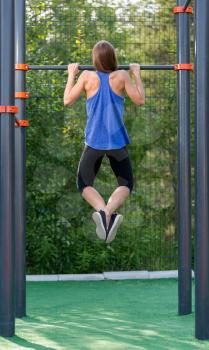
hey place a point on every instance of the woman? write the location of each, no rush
(105, 132)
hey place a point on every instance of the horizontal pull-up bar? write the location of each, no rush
(86, 67)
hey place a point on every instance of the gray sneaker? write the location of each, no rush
(115, 221)
(99, 218)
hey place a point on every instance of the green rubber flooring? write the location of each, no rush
(109, 315)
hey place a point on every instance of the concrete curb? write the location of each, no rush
(117, 275)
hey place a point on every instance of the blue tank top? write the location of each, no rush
(105, 128)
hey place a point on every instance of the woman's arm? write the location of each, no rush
(73, 92)
(135, 91)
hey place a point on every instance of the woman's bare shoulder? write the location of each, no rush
(89, 75)
(120, 74)
(86, 73)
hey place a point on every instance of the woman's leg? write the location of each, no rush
(89, 165)
(115, 201)
(121, 166)
(88, 168)
(92, 196)
(117, 198)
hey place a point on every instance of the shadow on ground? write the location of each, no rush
(104, 315)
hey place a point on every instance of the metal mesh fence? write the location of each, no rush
(60, 32)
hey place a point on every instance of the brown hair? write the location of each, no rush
(104, 57)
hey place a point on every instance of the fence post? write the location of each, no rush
(184, 168)
(20, 163)
(7, 305)
(202, 171)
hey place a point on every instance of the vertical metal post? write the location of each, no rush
(20, 163)
(7, 307)
(184, 170)
(202, 171)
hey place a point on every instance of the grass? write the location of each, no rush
(108, 315)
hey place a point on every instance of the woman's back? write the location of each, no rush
(116, 82)
(105, 127)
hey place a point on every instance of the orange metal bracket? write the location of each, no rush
(182, 9)
(21, 66)
(21, 122)
(21, 94)
(8, 109)
(183, 66)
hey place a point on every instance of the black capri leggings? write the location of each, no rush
(91, 160)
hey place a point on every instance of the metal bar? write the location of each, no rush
(20, 164)
(184, 168)
(7, 306)
(202, 171)
(87, 67)
(187, 4)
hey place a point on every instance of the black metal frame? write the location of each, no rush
(184, 212)
(184, 167)
(7, 202)
(202, 171)
(20, 164)
(7, 286)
